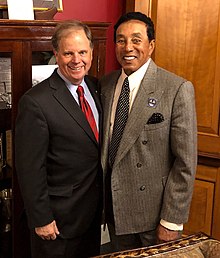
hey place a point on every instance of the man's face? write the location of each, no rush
(133, 48)
(74, 56)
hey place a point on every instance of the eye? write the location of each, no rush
(136, 41)
(120, 41)
(83, 52)
(67, 54)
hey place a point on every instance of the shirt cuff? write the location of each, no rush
(171, 226)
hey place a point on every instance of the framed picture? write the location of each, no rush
(39, 4)
(5, 82)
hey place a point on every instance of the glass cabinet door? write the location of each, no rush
(11, 84)
(43, 61)
(5, 155)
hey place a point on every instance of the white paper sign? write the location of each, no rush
(20, 10)
(41, 72)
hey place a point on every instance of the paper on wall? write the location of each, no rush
(20, 10)
(41, 72)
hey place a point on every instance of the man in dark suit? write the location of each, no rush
(149, 151)
(57, 152)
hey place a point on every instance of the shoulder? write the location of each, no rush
(172, 80)
(114, 75)
(176, 87)
(91, 79)
(169, 76)
(52, 82)
(42, 91)
(168, 82)
(107, 81)
(162, 75)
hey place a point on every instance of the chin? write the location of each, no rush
(78, 76)
(129, 70)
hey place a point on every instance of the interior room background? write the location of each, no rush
(100, 11)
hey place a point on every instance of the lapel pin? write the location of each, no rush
(152, 102)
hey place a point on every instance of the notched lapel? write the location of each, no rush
(64, 97)
(94, 92)
(107, 96)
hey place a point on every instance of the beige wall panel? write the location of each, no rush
(188, 44)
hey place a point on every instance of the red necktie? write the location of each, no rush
(87, 111)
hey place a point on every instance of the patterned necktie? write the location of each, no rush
(87, 111)
(121, 116)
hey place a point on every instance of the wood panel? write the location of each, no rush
(148, 7)
(202, 205)
(139, 6)
(201, 208)
(191, 48)
(216, 211)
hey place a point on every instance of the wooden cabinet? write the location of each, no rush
(202, 206)
(22, 43)
(205, 206)
(188, 44)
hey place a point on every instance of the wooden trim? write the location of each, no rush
(216, 211)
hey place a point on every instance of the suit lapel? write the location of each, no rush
(107, 100)
(94, 92)
(140, 112)
(65, 98)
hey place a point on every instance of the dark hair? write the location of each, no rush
(136, 16)
(66, 27)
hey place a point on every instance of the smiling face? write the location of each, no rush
(74, 55)
(133, 48)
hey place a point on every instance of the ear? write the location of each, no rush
(91, 53)
(54, 52)
(151, 46)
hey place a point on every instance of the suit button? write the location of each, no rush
(139, 165)
(143, 187)
(144, 142)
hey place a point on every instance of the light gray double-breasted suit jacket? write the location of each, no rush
(153, 174)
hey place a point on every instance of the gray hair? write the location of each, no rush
(63, 28)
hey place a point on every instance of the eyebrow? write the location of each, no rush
(136, 34)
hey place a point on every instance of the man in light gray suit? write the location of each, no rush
(150, 171)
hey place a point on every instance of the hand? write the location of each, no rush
(165, 235)
(48, 232)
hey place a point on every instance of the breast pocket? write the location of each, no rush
(157, 135)
(156, 126)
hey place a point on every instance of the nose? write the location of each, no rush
(75, 58)
(128, 46)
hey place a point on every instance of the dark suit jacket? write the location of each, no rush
(57, 158)
(154, 169)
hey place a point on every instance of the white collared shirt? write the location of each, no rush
(135, 80)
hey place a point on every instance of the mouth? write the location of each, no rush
(129, 58)
(76, 68)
